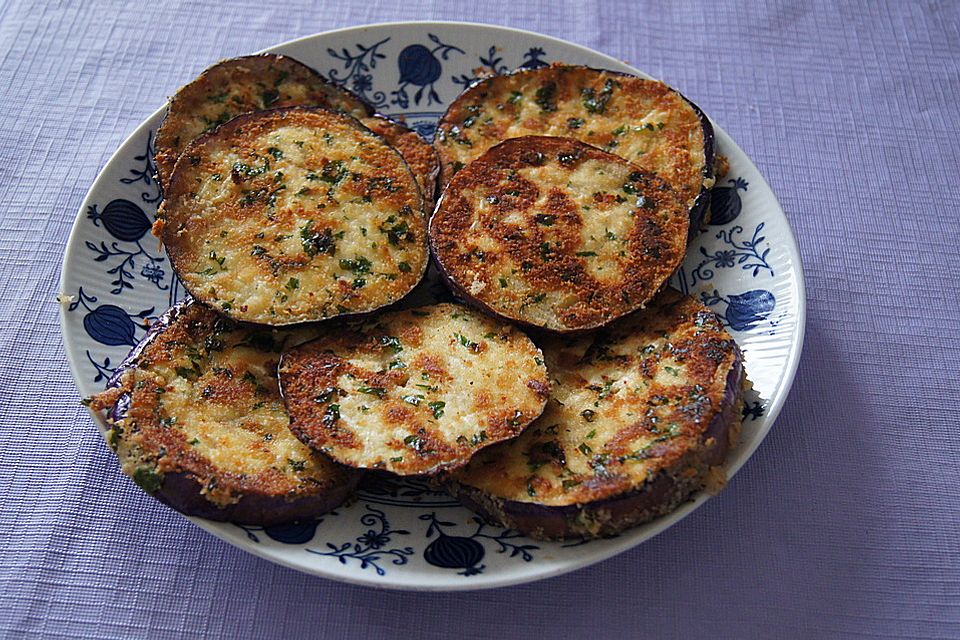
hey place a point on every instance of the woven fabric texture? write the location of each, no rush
(844, 524)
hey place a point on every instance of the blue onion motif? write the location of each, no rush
(128, 223)
(124, 220)
(465, 552)
(300, 532)
(110, 325)
(455, 552)
(420, 67)
(747, 309)
(725, 202)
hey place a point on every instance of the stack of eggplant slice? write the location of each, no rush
(298, 219)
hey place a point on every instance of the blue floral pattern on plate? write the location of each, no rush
(420, 67)
(405, 531)
(371, 547)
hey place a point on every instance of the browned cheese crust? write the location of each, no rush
(414, 392)
(294, 215)
(419, 154)
(639, 414)
(241, 85)
(202, 425)
(644, 121)
(554, 233)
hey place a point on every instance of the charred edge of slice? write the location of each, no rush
(240, 121)
(700, 207)
(660, 495)
(180, 487)
(165, 158)
(427, 448)
(699, 212)
(129, 361)
(491, 156)
(181, 492)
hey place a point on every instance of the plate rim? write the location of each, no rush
(775, 403)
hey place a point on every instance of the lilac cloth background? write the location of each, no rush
(846, 523)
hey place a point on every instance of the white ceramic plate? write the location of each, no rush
(402, 534)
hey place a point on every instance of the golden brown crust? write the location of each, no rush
(242, 85)
(554, 233)
(201, 424)
(414, 392)
(644, 121)
(638, 415)
(294, 215)
(419, 154)
(720, 167)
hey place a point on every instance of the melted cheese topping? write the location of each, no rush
(204, 400)
(418, 153)
(558, 234)
(243, 85)
(644, 121)
(292, 216)
(627, 403)
(415, 391)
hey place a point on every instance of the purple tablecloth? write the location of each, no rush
(846, 523)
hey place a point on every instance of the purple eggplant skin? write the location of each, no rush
(181, 491)
(462, 295)
(701, 205)
(252, 117)
(184, 491)
(212, 80)
(638, 279)
(119, 410)
(611, 516)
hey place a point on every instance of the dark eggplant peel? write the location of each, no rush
(243, 85)
(414, 392)
(556, 234)
(197, 421)
(294, 215)
(644, 121)
(640, 417)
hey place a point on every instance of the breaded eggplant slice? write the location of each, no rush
(419, 154)
(556, 234)
(415, 391)
(640, 416)
(644, 121)
(241, 85)
(198, 422)
(294, 215)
